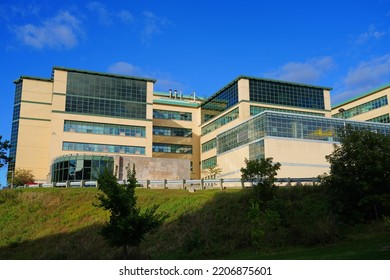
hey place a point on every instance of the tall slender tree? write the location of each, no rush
(128, 224)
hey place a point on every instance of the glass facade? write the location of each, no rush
(279, 93)
(363, 108)
(172, 148)
(209, 145)
(172, 131)
(103, 128)
(79, 167)
(221, 121)
(220, 102)
(210, 162)
(103, 148)
(15, 125)
(254, 110)
(290, 126)
(256, 150)
(381, 119)
(172, 115)
(94, 94)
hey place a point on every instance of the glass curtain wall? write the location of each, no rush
(94, 94)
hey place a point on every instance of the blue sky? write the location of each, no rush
(197, 45)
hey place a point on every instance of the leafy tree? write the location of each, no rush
(4, 147)
(127, 225)
(22, 177)
(359, 181)
(262, 172)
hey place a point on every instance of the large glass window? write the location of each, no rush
(103, 148)
(209, 145)
(103, 128)
(105, 95)
(382, 119)
(210, 162)
(256, 150)
(221, 121)
(221, 101)
(254, 110)
(363, 108)
(172, 148)
(172, 115)
(172, 131)
(279, 93)
(290, 126)
(80, 167)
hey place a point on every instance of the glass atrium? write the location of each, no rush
(287, 125)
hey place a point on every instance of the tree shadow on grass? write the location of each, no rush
(82, 244)
(219, 229)
(213, 229)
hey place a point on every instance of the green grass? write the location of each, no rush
(210, 224)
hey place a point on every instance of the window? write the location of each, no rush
(286, 94)
(221, 101)
(105, 95)
(79, 167)
(209, 145)
(363, 108)
(172, 115)
(221, 121)
(210, 162)
(172, 148)
(103, 148)
(103, 128)
(254, 110)
(172, 131)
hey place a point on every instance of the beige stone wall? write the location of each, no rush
(153, 168)
(299, 158)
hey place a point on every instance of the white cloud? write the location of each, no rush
(364, 77)
(103, 14)
(126, 17)
(369, 73)
(152, 25)
(61, 31)
(372, 33)
(124, 68)
(164, 81)
(303, 72)
(107, 17)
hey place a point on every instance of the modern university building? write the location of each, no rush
(75, 124)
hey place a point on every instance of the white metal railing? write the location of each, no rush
(221, 183)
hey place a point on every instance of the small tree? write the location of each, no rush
(262, 172)
(22, 177)
(127, 225)
(4, 147)
(212, 171)
(359, 181)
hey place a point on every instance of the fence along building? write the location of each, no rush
(73, 125)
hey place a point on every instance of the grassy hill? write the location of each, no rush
(64, 224)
